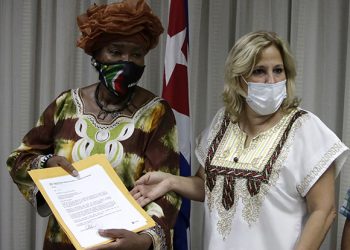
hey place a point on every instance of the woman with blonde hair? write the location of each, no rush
(267, 166)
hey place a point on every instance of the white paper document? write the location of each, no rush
(91, 202)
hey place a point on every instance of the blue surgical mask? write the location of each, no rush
(120, 77)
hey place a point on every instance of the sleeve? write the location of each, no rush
(35, 145)
(345, 208)
(162, 154)
(206, 137)
(315, 148)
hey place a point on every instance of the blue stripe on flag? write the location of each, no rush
(183, 219)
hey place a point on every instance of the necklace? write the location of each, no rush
(104, 112)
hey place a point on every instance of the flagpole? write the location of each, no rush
(176, 92)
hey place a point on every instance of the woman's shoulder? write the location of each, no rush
(143, 94)
(65, 96)
(68, 98)
(311, 117)
(68, 93)
(60, 98)
(310, 126)
(217, 120)
(220, 114)
(144, 91)
(142, 97)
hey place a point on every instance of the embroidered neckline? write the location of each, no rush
(254, 178)
(232, 153)
(117, 120)
(267, 132)
(226, 185)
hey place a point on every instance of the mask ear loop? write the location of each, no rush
(244, 79)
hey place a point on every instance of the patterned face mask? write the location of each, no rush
(121, 77)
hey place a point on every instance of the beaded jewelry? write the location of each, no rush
(103, 111)
(44, 159)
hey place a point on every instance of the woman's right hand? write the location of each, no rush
(62, 162)
(150, 187)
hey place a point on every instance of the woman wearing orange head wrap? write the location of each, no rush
(130, 125)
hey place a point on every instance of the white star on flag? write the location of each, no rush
(175, 92)
(172, 58)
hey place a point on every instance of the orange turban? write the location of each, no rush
(127, 20)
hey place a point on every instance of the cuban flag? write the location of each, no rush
(175, 91)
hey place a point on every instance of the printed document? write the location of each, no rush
(97, 199)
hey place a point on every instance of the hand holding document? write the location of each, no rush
(97, 199)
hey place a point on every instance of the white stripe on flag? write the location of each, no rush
(184, 135)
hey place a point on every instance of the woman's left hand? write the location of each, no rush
(150, 187)
(124, 240)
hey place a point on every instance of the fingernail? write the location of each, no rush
(101, 231)
(75, 173)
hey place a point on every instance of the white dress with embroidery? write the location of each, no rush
(255, 196)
